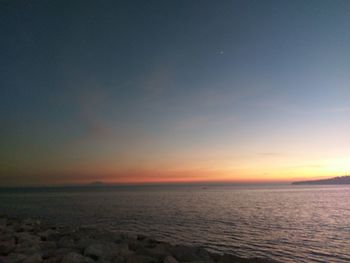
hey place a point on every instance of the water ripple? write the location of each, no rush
(288, 223)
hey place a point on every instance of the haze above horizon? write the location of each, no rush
(174, 91)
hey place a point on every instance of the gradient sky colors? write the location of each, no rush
(174, 91)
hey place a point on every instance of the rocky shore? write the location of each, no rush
(33, 241)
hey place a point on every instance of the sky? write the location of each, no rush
(174, 91)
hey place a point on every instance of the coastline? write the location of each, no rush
(34, 241)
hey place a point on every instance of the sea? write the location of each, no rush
(287, 223)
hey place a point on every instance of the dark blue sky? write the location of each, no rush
(173, 85)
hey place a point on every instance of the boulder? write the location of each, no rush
(3, 222)
(47, 234)
(27, 249)
(32, 222)
(119, 259)
(48, 245)
(55, 259)
(183, 253)
(203, 254)
(66, 242)
(98, 251)
(118, 237)
(28, 238)
(26, 228)
(227, 258)
(129, 236)
(27, 225)
(57, 253)
(74, 257)
(140, 259)
(5, 236)
(16, 227)
(35, 258)
(141, 237)
(7, 246)
(215, 257)
(122, 249)
(259, 260)
(170, 259)
(159, 251)
(134, 244)
(15, 258)
(84, 242)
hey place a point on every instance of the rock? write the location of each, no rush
(106, 236)
(118, 259)
(26, 228)
(118, 237)
(66, 242)
(27, 238)
(3, 222)
(5, 236)
(170, 259)
(7, 246)
(27, 249)
(122, 249)
(74, 257)
(48, 245)
(17, 227)
(140, 259)
(56, 253)
(29, 241)
(228, 258)
(215, 257)
(32, 222)
(151, 243)
(55, 259)
(98, 251)
(48, 253)
(203, 254)
(130, 236)
(158, 251)
(136, 244)
(141, 237)
(52, 260)
(35, 258)
(47, 234)
(84, 243)
(259, 260)
(15, 258)
(28, 225)
(183, 253)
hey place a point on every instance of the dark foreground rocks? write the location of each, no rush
(31, 241)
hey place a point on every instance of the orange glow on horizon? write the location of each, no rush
(332, 168)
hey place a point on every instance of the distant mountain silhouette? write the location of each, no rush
(97, 183)
(335, 180)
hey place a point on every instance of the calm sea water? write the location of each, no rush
(287, 223)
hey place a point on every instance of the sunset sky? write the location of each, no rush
(173, 91)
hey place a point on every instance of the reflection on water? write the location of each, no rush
(288, 223)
